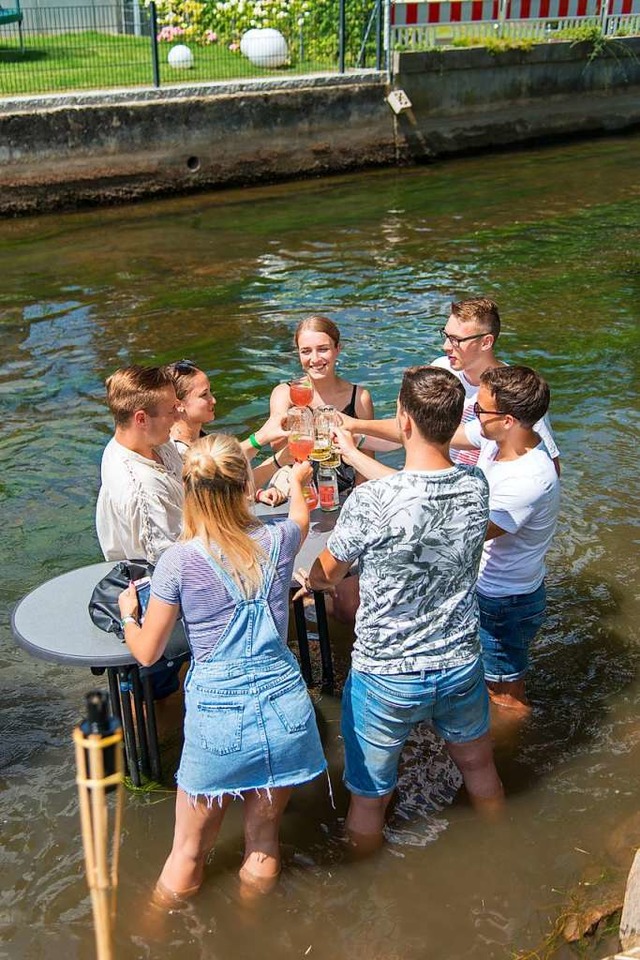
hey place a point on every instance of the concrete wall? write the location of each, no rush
(471, 98)
(103, 148)
(107, 149)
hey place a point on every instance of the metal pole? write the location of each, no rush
(155, 61)
(379, 34)
(303, 642)
(325, 643)
(342, 32)
(387, 38)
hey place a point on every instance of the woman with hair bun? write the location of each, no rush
(250, 729)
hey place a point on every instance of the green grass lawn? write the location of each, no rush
(92, 60)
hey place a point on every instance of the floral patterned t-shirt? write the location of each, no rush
(417, 536)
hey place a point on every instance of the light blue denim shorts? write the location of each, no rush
(379, 711)
(507, 627)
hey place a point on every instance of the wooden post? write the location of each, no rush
(98, 773)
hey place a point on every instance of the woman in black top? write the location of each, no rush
(317, 340)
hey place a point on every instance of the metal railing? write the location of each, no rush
(122, 44)
(420, 25)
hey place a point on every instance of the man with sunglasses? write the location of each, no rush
(524, 499)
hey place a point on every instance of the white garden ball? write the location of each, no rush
(265, 48)
(180, 57)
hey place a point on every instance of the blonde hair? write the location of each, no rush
(318, 324)
(135, 388)
(217, 479)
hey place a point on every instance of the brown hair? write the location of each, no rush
(479, 310)
(319, 325)
(519, 391)
(434, 399)
(182, 373)
(216, 478)
(135, 388)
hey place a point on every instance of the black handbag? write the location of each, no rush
(103, 605)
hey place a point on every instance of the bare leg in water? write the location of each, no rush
(510, 695)
(263, 812)
(365, 821)
(475, 762)
(196, 830)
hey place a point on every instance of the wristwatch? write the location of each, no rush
(128, 619)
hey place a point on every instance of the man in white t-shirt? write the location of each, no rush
(524, 498)
(470, 336)
(139, 509)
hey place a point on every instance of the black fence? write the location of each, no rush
(125, 44)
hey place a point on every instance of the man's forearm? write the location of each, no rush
(384, 429)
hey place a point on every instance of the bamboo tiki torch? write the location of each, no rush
(99, 771)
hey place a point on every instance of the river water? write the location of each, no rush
(553, 235)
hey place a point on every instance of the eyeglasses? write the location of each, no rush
(183, 366)
(456, 341)
(477, 409)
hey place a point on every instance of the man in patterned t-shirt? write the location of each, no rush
(417, 535)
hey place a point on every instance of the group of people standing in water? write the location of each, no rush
(448, 594)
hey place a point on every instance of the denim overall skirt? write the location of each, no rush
(249, 721)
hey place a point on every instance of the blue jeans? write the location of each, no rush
(379, 711)
(507, 627)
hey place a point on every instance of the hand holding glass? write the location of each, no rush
(324, 422)
(301, 391)
(300, 426)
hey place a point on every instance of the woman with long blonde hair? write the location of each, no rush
(250, 729)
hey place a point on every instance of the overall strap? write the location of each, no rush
(272, 563)
(236, 595)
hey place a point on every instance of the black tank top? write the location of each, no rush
(346, 474)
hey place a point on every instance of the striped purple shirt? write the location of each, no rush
(183, 576)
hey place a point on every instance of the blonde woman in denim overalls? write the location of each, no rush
(250, 730)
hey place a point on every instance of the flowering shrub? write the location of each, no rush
(169, 34)
(309, 26)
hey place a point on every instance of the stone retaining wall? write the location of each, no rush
(67, 151)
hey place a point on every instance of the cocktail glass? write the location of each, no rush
(301, 391)
(300, 427)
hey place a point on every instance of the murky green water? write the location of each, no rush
(554, 236)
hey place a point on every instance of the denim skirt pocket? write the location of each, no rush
(292, 706)
(220, 727)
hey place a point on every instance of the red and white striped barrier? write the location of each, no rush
(470, 11)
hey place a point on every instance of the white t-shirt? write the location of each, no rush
(524, 499)
(139, 508)
(542, 427)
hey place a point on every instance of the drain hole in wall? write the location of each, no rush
(193, 164)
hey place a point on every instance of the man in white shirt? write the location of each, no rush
(139, 509)
(470, 336)
(524, 498)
